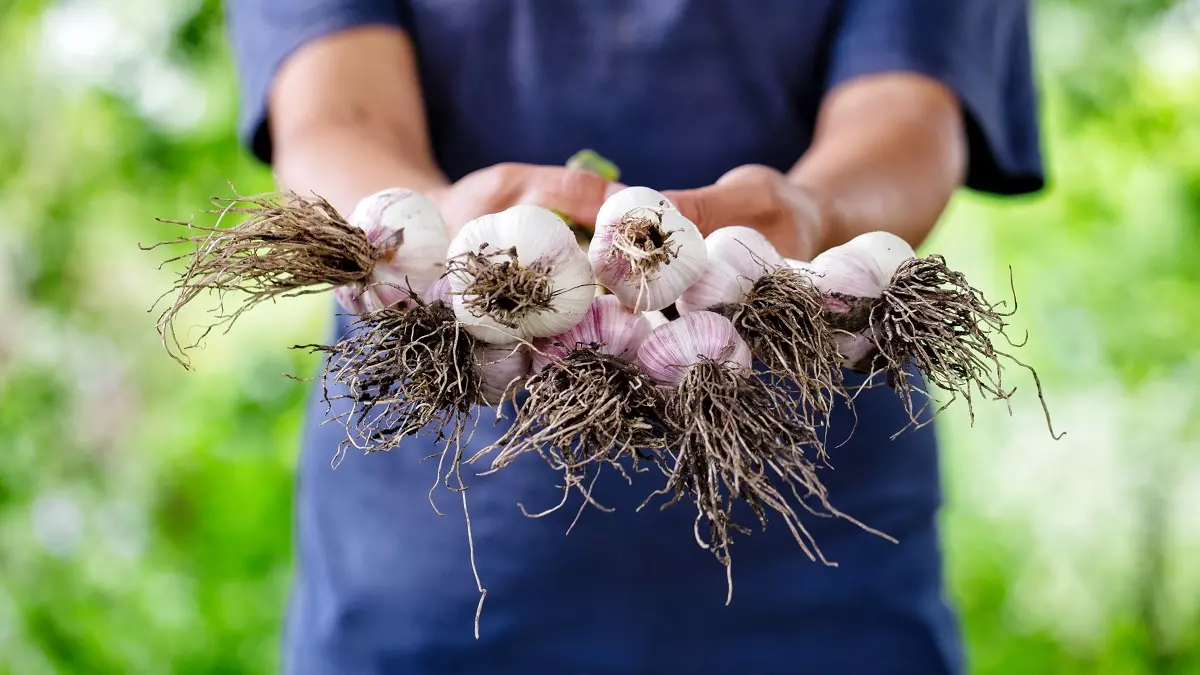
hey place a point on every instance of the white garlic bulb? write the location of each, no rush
(644, 250)
(504, 369)
(518, 275)
(737, 257)
(608, 326)
(409, 232)
(669, 350)
(862, 267)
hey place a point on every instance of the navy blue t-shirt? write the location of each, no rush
(676, 92)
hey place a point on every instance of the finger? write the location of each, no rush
(717, 206)
(574, 193)
(484, 191)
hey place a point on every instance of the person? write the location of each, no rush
(810, 121)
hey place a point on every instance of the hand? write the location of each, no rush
(760, 197)
(574, 193)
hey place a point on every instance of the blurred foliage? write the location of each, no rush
(145, 511)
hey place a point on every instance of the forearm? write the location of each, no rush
(888, 153)
(348, 119)
(342, 163)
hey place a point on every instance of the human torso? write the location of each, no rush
(676, 92)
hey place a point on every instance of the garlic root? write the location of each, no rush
(780, 318)
(931, 317)
(585, 410)
(737, 438)
(289, 245)
(405, 367)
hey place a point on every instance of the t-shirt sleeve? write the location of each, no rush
(978, 48)
(263, 33)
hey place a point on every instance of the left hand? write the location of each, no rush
(760, 197)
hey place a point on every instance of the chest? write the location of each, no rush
(657, 83)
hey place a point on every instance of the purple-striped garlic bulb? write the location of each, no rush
(670, 350)
(608, 327)
(738, 256)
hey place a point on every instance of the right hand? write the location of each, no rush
(574, 193)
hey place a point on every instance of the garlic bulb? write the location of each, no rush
(670, 349)
(608, 327)
(644, 250)
(504, 370)
(737, 257)
(862, 267)
(518, 275)
(411, 239)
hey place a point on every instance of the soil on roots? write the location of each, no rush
(287, 245)
(405, 367)
(736, 438)
(931, 317)
(585, 411)
(501, 287)
(780, 318)
(639, 237)
(639, 242)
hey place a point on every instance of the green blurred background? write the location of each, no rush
(145, 510)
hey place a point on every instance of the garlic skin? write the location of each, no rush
(671, 348)
(855, 348)
(411, 234)
(545, 249)
(504, 370)
(350, 298)
(439, 291)
(646, 270)
(862, 267)
(737, 257)
(608, 324)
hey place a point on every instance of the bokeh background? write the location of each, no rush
(145, 510)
